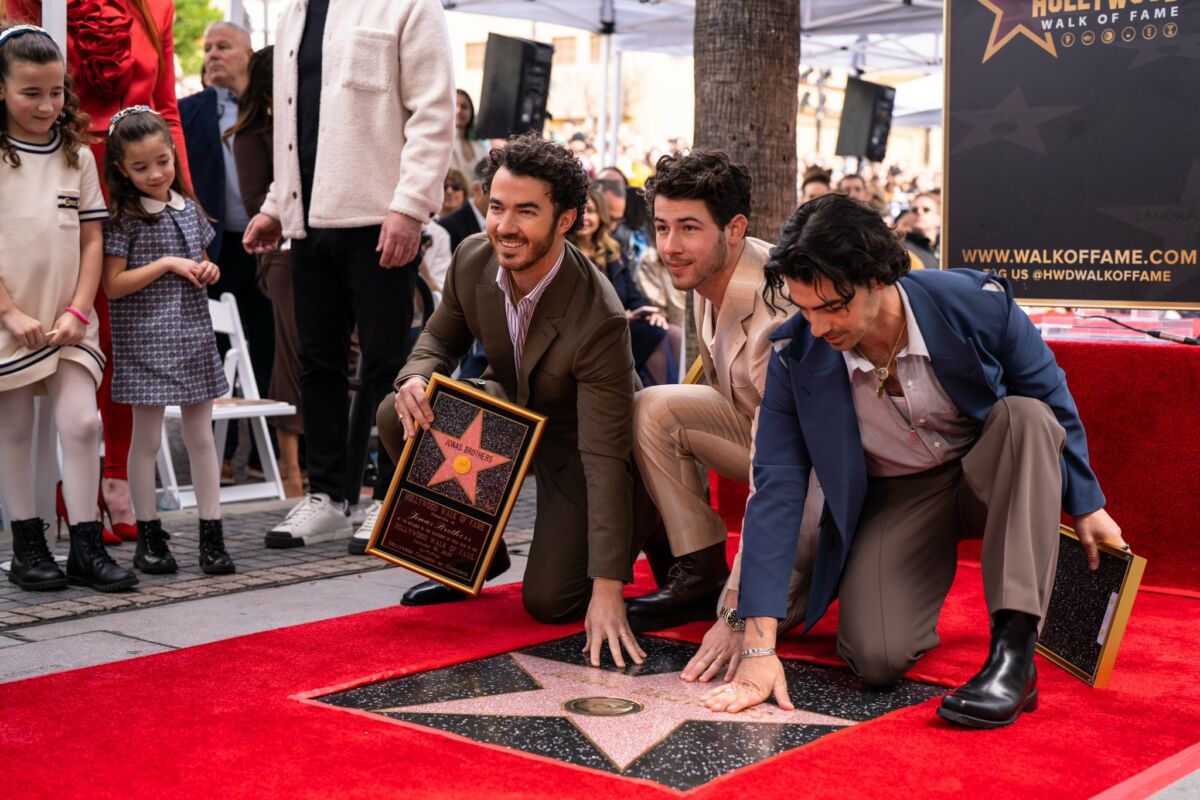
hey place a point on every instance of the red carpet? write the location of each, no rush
(221, 720)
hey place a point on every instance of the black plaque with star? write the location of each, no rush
(455, 485)
(1072, 165)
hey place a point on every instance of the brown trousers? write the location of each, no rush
(557, 587)
(1007, 489)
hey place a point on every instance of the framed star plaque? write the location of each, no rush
(455, 485)
(1089, 609)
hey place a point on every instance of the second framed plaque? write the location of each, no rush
(455, 486)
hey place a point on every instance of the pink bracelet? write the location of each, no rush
(80, 315)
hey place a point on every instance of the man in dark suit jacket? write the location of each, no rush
(557, 342)
(205, 116)
(930, 408)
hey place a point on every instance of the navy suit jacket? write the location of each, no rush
(460, 224)
(200, 119)
(982, 348)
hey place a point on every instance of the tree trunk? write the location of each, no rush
(747, 59)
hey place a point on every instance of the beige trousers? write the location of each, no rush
(678, 428)
(1007, 489)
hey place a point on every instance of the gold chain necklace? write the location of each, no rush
(883, 373)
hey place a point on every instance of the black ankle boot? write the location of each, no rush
(89, 564)
(213, 558)
(432, 593)
(693, 585)
(152, 556)
(33, 568)
(1007, 684)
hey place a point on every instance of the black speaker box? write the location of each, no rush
(516, 82)
(866, 120)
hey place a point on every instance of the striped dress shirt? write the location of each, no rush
(520, 314)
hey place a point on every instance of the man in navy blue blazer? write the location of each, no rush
(930, 409)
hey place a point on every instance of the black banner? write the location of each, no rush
(1073, 148)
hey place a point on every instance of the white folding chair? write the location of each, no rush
(241, 402)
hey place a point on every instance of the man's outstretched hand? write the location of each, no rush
(606, 622)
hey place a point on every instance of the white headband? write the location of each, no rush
(128, 111)
(21, 30)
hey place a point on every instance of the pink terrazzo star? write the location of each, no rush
(667, 702)
(465, 459)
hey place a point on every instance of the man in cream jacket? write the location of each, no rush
(364, 124)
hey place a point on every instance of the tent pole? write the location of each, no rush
(602, 125)
(615, 152)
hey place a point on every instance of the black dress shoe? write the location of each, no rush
(432, 593)
(693, 586)
(1007, 684)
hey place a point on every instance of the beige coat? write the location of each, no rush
(387, 115)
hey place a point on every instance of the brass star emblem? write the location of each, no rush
(1014, 18)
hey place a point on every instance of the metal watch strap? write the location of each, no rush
(731, 618)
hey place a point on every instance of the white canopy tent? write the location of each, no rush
(847, 34)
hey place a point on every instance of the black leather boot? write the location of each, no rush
(89, 564)
(432, 593)
(1007, 684)
(33, 567)
(658, 554)
(693, 586)
(213, 558)
(153, 556)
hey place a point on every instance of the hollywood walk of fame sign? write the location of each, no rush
(1071, 166)
(455, 486)
(639, 722)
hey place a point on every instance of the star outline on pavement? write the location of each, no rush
(460, 454)
(622, 741)
(1045, 41)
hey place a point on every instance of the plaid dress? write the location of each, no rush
(164, 348)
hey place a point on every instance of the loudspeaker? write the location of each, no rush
(866, 120)
(516, 82)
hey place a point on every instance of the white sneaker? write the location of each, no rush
(358, 543)
(314, 519)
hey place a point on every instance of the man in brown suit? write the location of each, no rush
(700, 204)
(557, 342)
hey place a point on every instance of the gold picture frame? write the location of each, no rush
(455, 486)
(1088, 610)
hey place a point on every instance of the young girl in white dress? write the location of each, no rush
(51, 212)
(164, 349)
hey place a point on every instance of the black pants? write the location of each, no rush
(338, 282)
(239, 272)
(239, 277)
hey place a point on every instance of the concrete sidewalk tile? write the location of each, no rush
(70, 652)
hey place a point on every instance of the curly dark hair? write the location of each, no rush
(707, 175)
(531, 156)
(836, 238)
(125, 201)
(72, 123)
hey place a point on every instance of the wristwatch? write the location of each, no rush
(731, 618)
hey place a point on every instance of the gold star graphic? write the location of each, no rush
(1012, 18)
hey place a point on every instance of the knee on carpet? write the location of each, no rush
(550, 604)
(874, 664)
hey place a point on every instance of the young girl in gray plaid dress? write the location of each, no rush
(164, 349)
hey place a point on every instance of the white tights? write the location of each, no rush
(202, 455)
(73, 403)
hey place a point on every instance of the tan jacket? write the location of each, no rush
(737, 366)
(387, 115)
(576, 369)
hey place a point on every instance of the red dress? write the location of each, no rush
(115, 64)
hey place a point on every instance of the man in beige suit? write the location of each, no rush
(557, 342)
(701, 205)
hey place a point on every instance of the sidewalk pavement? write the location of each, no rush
(45, 632)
